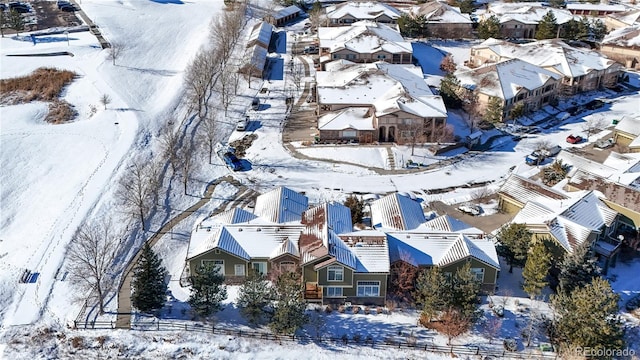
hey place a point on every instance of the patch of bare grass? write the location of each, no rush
(44, 84)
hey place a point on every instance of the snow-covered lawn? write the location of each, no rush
(375, 157)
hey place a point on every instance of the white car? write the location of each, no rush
(473, 210)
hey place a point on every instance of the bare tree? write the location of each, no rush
(91, 254)
(470, 106)
(403, 277)
(105, 100)
(138, 188)
(416, 133)
(492, 328)
(453, 324)
(225, 88)
(208, 133)
(199, 79)
(592, 125)
(169, 139)
(297, 74)
(186, 154)
(115, 50)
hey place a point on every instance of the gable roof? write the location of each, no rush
(629, 125)
(439, 249)
(524, 190)
(625, 37)
(261, 33)
(257, 57)
(364, 37)
(281, 205)
(578, 162)
(289, 10)
(629, 17)
(507, 78)
(396, 211)
(526, 12)
(233, 216)
(350, 118)
(625, 196)
(441, 12)
(362, 10)
(386, 87)
(447, 223)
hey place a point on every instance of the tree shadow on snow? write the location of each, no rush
(168, 2)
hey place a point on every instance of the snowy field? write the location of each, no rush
(55, 177)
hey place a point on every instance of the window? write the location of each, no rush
(333, 291)
(382, 57)
(260, 267)
(217, 264)
(349, 133)
(368, 288)
(239, 269)
(287, 266)
(335, 273)
(350, 56)
(479, 273)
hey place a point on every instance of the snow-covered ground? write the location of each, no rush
(54, 177)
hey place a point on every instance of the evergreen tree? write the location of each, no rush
(16, 21)
(149, 287)
(465, 289)
(489, 28)
(207, 290)
(356, 205)
(411, 26)
(466, 6)
(598, 29)
(536, 269)
(578, 269)
(430, 292)
(514, 241)
(547, 27)
(254, 297)
(576, 30)
(493, 111)
(448, 90)
(4, 21)
(517, 111)
(588, 317)
(289, 312)
(557, 3)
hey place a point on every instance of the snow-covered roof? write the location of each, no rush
(441, 12)
(578, 162)
(261, 33)
(625, 196)
(629, 17)
(362, 10)
(628, 166)
(440, 249)
(364, 37)
(396, 211)
(570, 221)
(629, 125)
(386, 87)
(525, 190)
(526, 13)
(625, 37)
(507, 78)
(350, 118)
(289, 10)
(281, 205)
(232, 216)
(256, 56)
(371, 258)
(447, 223)
(596, 7)
(551, 54)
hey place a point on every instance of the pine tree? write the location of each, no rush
(356, 205)
(254, 297)
(578, 269)
(489, 28)
(514, 241)
(493, 112)
(466, 6)
(517, 111)
(207, 290)
(149, 287)
(16, 21)
(430, 292)
(536, 269)
(577, 30)
(547, 27)
(588, 317)
(289, 312)
(465, 289)
(598, 29)
(448, 90)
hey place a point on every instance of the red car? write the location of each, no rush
(571, 139)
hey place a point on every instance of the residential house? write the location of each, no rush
(396, 212)
(581, 69)
(595, 10)
(364, 42)
(400, 104)
(260, 34)
(443, 20)
(447, 223)
(517, 191)
(621, 20)
(623, 45)
(512, 82)
(255, 61)
(520, 20)
(627, 133)
(353, 11)
(283, 16)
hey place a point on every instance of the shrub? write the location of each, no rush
(60, 112)
(379, 310)
(77, 342)
(369, 340)
(328, 309)
(341, 309)
(345, 338)
(367, 311)
(356, 309)
(357, 338)
(44, 84)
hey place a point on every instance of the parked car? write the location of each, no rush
(255, 104)
(538, 156)
(242, 124)
(62, 3)
(604, 143)
(68, 8)
(19, 7)
(473, 210)
(574, 139)
(310, 49)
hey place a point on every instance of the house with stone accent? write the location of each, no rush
(443, 20)
(400, 106)
(581, 69)
(350, 12)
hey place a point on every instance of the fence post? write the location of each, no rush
(158, 327)
(75, 324)
(185, 327)
(213, 329)
(112, 324)
(477, 350)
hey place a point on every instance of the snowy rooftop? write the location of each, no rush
(441, 12)
(261, 33)
(281, 205)
(441, 249)
(371, 258)
(578, 162)
(554, 54)
(257, 56)
(622, 195)
(629, 125)
(387, 87)
(364, 37)
(526, 13)
(506, 78)
(365, 10)
(596, 7)
(447, 223)
(625, 37)
(289, 10)
(525, 190)
(628, 17)
(351, 118)
(396, 211)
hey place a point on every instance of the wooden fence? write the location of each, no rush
(388, 343)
